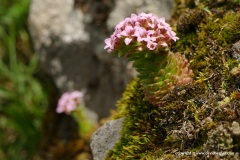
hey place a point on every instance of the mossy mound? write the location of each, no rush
(199, 120)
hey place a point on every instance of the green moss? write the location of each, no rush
(198, 117)
(137, 131)
(210, 45)
(188, 22)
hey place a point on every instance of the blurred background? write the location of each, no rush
(23, 100)
(50, 47)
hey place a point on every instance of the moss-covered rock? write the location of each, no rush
(199, 120)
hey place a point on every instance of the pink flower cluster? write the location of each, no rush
(144, 31)
(68, 102)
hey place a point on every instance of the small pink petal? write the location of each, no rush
(108, 43)
(124, 33)
(127, 41)
(151, 45)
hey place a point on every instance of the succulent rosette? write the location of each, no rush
(146, 39)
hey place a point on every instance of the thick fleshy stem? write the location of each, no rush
(159, 73)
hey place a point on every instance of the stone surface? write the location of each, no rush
(161, 8)
(236, 50)
(56, 18)
(105, 138)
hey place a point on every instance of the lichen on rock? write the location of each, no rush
(195, 121)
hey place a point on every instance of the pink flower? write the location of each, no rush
(151, 45)
(68, 102)
(145, 31)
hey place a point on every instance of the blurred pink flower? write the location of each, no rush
(68, 102)
(145, 31)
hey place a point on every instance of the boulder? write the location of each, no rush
(105, 138)
(161, 8)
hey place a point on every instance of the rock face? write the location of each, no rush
(105, 138)
(69, 38)
(161, 8)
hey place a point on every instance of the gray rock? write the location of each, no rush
(105, 138)
(56, 18)
(161, 8)
(236, 50)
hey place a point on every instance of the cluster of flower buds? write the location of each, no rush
(141, 32)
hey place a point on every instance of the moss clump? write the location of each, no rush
(189, 20)
(200, 120)
(137, 131)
